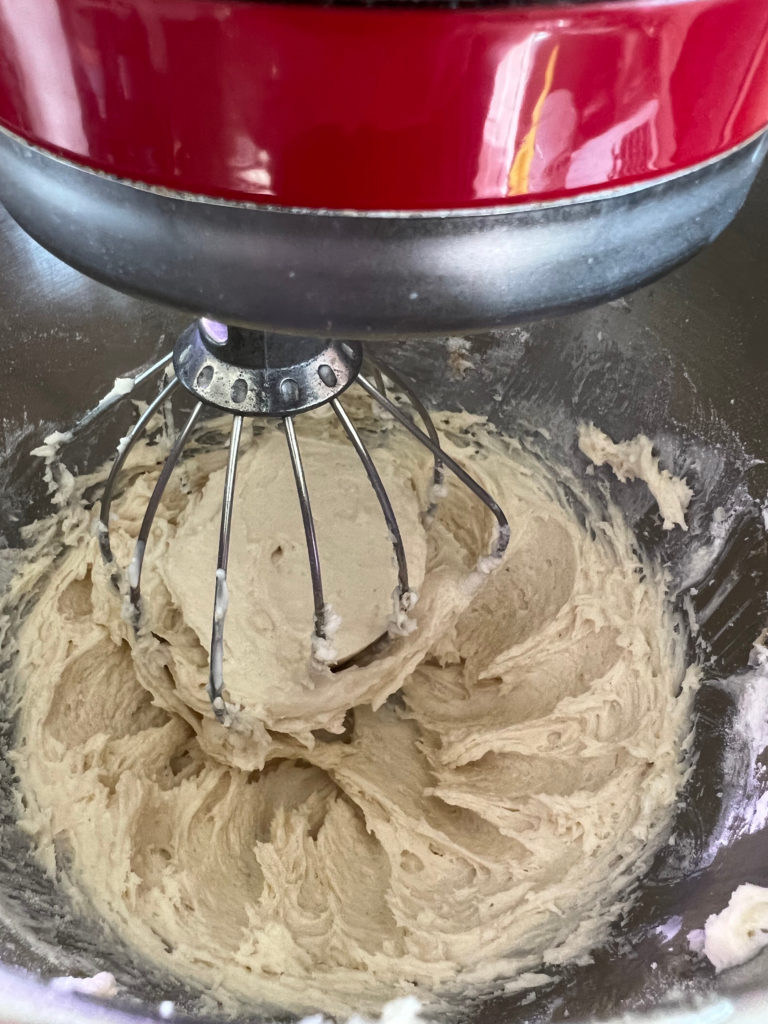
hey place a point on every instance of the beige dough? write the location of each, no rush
(634, 460)
(482, 822)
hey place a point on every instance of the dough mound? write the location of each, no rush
(512, 763)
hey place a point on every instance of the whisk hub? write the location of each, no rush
(257, 373)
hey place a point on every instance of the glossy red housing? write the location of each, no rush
(400, 107)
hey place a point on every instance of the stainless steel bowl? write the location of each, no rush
(683, 360)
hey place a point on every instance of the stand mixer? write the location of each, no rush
(305, 178)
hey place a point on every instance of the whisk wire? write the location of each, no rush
(402, 384)
(310, 534)
(381, 494)
(123, 451)
(117, 395)
(221, 594)
(503, 533)
(134, 570)
(382, 370)
(376, 374)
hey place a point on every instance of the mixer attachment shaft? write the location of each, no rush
(251, 373)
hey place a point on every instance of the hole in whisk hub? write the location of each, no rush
(239, 391)
(204, 377)
(289, 390)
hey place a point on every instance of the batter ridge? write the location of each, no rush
(512, 765)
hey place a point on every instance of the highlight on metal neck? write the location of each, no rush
(253, 374)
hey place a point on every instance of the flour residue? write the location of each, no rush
(740, 931)
(102, 985)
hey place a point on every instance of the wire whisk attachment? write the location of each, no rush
(253, 373)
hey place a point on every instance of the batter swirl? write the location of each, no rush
(512, 762)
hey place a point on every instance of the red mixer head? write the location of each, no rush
(367, 170)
